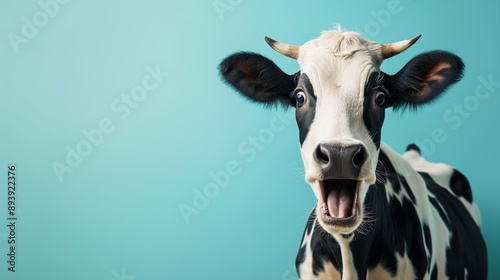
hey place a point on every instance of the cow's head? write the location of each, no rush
(340, 96)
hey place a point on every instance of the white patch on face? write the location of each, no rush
(338, 66)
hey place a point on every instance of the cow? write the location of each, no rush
(379, 214)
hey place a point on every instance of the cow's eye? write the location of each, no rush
(300, 98)
(380, 98)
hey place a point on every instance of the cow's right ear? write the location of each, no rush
(258, 79)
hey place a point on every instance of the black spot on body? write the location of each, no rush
(323, 246)
(400, 226)
(368, 251)
(434, 273)
(302, 250)
(399, 230)
(434, 201)
(428, 240)
(442, 213)
(407, 188)
(413, 147)
(387, 170)
(300, 258)
(325, 249)
(460, 186)
(467, 249)
(407, 234)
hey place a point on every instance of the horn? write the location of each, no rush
(389, 50)
(286, 49)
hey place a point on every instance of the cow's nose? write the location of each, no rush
(341, 162)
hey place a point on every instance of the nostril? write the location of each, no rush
(359, 158)
(321, 154)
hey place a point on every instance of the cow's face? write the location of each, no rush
(340, 96)
(340, 103)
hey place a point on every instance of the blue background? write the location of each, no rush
(116, 214)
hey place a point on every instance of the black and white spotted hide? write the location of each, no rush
(379, 215)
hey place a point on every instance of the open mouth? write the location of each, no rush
(339, 201)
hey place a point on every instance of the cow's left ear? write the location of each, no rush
(424, 78)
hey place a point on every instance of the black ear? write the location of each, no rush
(258, 78)
(424, 78)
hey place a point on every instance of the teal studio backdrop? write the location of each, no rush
(134, 161)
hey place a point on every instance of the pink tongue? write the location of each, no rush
(339, 203)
